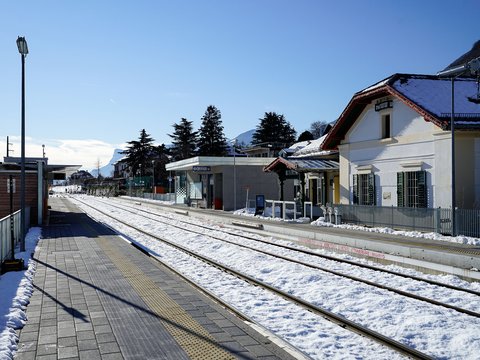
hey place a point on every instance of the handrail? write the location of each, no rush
(5, 235)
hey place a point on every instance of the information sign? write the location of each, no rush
(14, 188)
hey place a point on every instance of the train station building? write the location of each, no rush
(223, 183)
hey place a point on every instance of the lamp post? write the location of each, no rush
(234, 177)
(23, 50)
(130, 178)
(43, 150)
(8, 147)
(153, 179)
(473, 66)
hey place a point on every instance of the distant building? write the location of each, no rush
(38, 176)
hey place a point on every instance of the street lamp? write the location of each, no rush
(234, 178)
(153, 179)
(43, 150)
(130, 172)
(23, 50)
(473, 66)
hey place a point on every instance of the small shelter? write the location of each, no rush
(313, 170)
(226, 183)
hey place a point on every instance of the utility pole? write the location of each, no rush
(8, 147)
(473, 68)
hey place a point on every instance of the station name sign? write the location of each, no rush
(387, 104)
(201, 168)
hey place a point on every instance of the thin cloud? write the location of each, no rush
(64, 151)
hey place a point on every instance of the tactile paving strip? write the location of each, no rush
(189, 334)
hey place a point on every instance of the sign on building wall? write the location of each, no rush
(387, 104)
(200, 168)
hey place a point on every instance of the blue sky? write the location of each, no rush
(100, 71)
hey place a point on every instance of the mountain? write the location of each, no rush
(107, 170)
(244, 139)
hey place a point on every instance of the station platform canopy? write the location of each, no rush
(55, 171)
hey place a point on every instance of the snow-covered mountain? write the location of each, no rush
(244, 139)
(107, 170)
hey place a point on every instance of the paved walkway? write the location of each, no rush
(96, 297)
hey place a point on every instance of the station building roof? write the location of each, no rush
(188, 164)
(62, 170)
(303, 165)
(428, 95)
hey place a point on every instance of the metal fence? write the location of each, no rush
(161, 197)
(5, 235)
(421, 219)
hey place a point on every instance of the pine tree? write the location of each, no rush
(184, 140)
(139, 153)
(158, 161)
(273, 128)
(211, 140)
(304, 136)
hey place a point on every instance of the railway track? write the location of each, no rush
(159, 217)
(338, 319)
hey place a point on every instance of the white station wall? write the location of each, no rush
(414, 145)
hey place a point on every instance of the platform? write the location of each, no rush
(97, 297)
(424, 254)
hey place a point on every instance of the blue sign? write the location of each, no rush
(259, 204)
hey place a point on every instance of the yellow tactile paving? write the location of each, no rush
(189, 334)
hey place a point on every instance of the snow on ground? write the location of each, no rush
(460, 239)
(16, 289)
(449, 336)
(385, 230)
(440, 332)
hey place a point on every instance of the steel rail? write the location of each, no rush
(328, 257)
(337, 319)
(316, 267)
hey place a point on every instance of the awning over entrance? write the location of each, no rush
(302, 165)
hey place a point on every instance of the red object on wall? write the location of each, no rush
(218, 204)
(160, 190)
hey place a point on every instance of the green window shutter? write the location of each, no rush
(355, 189)
(400, 189)
(422, 188)
(371, 189)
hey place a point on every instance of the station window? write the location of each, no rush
(411, 189)
(386, 126)
(364, 189)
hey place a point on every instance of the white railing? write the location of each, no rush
(306, 204)
(161, 197)
(5, 235)
(282, 208)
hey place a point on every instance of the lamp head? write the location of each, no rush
(22, 45)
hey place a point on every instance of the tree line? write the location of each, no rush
(142, 156)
